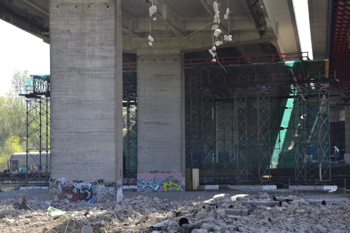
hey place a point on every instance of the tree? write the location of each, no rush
(18, 81)
(13, 119)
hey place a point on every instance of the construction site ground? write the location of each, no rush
(206, 211)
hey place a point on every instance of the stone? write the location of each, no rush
(87, 229)
(200, 231)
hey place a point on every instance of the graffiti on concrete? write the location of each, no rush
(169, 183)
(157, 182)
(151, 184)
(76, 191)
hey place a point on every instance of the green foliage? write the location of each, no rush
(13, 120)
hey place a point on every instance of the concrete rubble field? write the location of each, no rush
(259, 212)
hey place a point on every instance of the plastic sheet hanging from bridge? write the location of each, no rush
(37, 78)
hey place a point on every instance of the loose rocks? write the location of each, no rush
(221, 213)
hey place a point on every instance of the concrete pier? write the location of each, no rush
(160, 113)
(86, 103)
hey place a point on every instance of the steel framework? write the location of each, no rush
(312, 138)
(129, 128)
(38, 130)
(234, 122)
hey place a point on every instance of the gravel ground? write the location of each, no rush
(27, 211)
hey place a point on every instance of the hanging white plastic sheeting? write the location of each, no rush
(226, 16)
(217, 32)
(227, 37)
(227, 13)
(215, 26)
(212, 52)
(217, 13)
(218, 43)
(152, 10)
(150, 40)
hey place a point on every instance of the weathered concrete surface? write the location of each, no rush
(86, 103)
(160, 132)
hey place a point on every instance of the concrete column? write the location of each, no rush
(86, 94)
(347, 130)
(161, 114)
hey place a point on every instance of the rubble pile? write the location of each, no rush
(222, 213)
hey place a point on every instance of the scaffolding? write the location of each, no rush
(312, 136)
(129, 127)
(242, 124)
(244, 121)
(38, 129)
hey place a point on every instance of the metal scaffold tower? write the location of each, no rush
(312, 140)
(253, 135)
(129, 128)
(38, 129)
(223, 137)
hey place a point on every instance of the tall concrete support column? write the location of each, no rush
(86, 94)
(161, 113)
(347, 131)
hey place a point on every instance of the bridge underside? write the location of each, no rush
(233, 111)
(246, 120)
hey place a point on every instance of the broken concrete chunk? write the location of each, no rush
(199, 231)
(221, 196)
(87, 229)
(236, 212)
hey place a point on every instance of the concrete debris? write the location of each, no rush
(222, 213)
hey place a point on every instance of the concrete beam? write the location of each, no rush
(199, 41)
(280, 17)
(319, 26)
(257, 14)
(165, 12)
(31, 26)
(37, 8)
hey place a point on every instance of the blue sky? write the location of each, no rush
(23, 51)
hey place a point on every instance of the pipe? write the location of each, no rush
(267, 203)
(281, 199)
(185, 223)
(236, 212)
(241, 199)
(316, 202)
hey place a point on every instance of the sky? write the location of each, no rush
(301, 11)
(22, 51)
